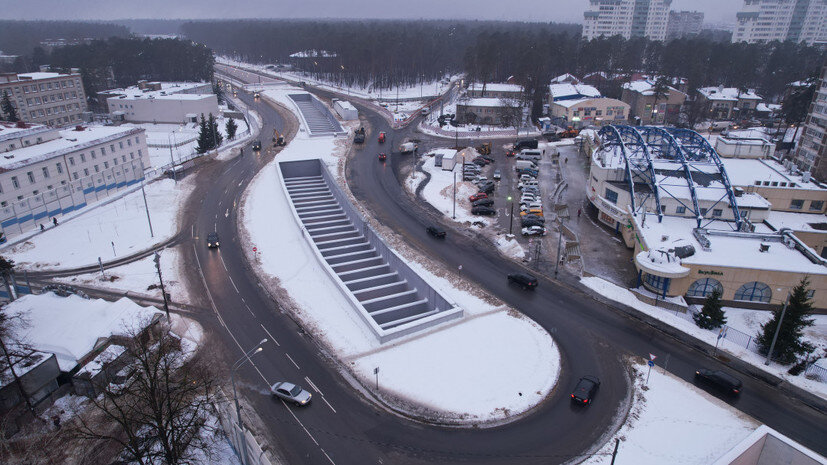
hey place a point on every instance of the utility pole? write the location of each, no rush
(511, 215)
(146, 207)
(777, 329)
(161, 279)
(614, 454)
(559, 246)
(455, 194)
(171, 160)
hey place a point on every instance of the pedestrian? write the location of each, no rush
(579, 211)
(566, 160)
(42, 228)
(460, 269)
(54, 221)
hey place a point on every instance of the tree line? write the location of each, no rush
(21, 37)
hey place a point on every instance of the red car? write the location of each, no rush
(381, 137)
(382, 157)
(478, 196)
(510, 153)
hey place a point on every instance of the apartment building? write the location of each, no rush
(795, 20)
(54, 99)
(46, 172)
(683, 24)
(627, 18)
(810, 156)
(726, 103)
(648, 108)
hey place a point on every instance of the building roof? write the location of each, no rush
(313, 54)
(491, 102)
(13, 131)
(157, 96)
(167, 88)
(40, 75)
(645, 87)
(564, 78)
(579, 101)
(70, 140)
(804, 222)
(728, 94)
(496, 87)
(748, 171)
(70, 327)
(730, 249)
(572, 91)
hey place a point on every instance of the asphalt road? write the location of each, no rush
(341, 426)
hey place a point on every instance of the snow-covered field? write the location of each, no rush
(108, 231)
(674, 422)
(748, 321)
(442, 372)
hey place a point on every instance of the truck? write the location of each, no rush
(523, 164)
(407, 147)
(359, 136)
(484, 149)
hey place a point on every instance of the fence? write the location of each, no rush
(816, 372)
(229, 423)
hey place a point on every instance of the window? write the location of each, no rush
(86, 171)
(704, 287)
(120, 145)
(15, 183)
(139, 153)
(103, 152)
(656, 283)
(611, 195)
(796, 204)
(703, 211)
(112, 147)
(123, 158)
(131, 156)
(93, 155)
(75, 175)
(717, 212)
(71, 161)
(754, 292)
(59, 168)
(816, 205)
(46, 172)
(105, 164)
(30, 175)
(129, 142)
(115, 160)
(811, 293)
(97, 169)
(82, 158)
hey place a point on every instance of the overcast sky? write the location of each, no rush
(526, 10)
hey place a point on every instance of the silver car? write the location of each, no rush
(291, 393)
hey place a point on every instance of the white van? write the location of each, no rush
(522, 164)
(425, 110)
(523, 185)
(531, 154)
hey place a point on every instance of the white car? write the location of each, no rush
(534, 231)
(290, 392)
(527, 199)
(531, 205)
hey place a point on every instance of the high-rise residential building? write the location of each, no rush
(782, 20)
(684, 23)
(627, 18)
(49, 98)
(812, 146)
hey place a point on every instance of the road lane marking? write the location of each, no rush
(222, 262)
(328, 404)
(233, 283)
(227, 213)
(328, 457)
(299, 422)
(271, 336)
(291, 359)
(313, 385)
(192, 231)
(250, 310)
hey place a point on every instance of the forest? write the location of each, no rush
(21, 37)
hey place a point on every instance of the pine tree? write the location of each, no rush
(215, 137)
(203, 136)
(8, 111)
(712, 315)
(789, 344)
(230, 128)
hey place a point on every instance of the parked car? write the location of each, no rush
(481, 180)
(478, 196)
(720, 380)
(439, 233)
(585, 389)
(532, 211)
(212, 240)
(525, 144)
(479, 161)
(524, 207)
(486, 211)
(488, 187)
(526, 281)
(291, 393)
(497, 175)
(483, 203)
(528, 171)
(534, 231)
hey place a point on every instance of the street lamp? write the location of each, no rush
(244, 459)
(511, 215)
(777, 329)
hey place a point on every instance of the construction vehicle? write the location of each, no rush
(359, 136)
(278, 139)
(569, 133)
(484, 149)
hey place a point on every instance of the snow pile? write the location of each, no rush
(439, 192)
(666, 414)
(70, 327)
(436, 373)
(510, 247)
(108, 231)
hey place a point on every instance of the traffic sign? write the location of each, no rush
(255, 249)
(651, 363)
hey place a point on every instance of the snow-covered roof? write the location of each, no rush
(39, 75)
(644, 87)
(71, 327)
(70, 140)
(574, 102)
(496, 87)
(749, 171)
(167, 88)
(572, 91)
(313, 54)
(728, 94)
(483, 102)
(731, 250)
(13, 131)
(563, 78)
(805, 222)
(767, 107)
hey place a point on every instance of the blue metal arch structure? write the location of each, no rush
(669, 148)
(611, 138)
(635, 139)
(701, 147)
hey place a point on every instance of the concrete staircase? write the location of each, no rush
(389, 299)
(319, 120)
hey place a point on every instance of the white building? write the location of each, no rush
(45, 172)
(684, 23)
(782, 20)
(811, 155)
(161, 102)
(627, 18)
(346, 110)
(46, 98)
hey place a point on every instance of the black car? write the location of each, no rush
(436, 232)
(488, 187)
(525, 280)
(525, 144)
(528, 171)
(536, 218)
(212, 240)
(487, 211)
(483, 203)
(479, 161)
(719, 380)
(585, 390)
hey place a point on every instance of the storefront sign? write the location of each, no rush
(710, 272)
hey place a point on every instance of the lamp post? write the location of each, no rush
(511, 215)
(777, 329)
(244, 459)
(455, 196)
(559, 246)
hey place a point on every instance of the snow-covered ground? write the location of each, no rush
(108, 231)
(672, 421)
(441, 373)
(748, 321)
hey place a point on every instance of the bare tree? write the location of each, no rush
(510, 112)
(15, 351)
(159, 414)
